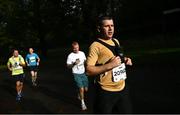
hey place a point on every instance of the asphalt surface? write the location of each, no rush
(153, 85)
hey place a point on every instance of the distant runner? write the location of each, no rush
(15, 64)
(76, 60)
(33, 60)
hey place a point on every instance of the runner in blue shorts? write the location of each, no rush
(75, 61)
(81, 80)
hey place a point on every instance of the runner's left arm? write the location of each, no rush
(38, 59)
(22, 62)
(26, 59)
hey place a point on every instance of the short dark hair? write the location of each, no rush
(103, 17)
(74, 43)
(14, 49)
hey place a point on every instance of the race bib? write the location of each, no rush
(119, 73)
(80, 66)
(17, 66)
(33, 59)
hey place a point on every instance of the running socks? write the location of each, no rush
(82, 101)
(83, 105)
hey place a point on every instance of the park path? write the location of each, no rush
(153, 85)
(56, 92)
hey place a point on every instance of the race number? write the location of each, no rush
(119, 73)
(17, 66)
(33, 59)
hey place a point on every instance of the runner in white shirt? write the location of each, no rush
(75, 61)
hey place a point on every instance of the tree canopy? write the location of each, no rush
(52, 23)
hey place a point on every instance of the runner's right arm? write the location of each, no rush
(92, 70)
(70, 65)
(9, 65)
(73, 63)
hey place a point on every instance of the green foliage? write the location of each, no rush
(29, 22)
(39, 23)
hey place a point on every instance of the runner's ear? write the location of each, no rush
(99, 29)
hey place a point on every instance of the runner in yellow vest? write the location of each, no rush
(15, 64)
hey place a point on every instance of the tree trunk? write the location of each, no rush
(39, 28)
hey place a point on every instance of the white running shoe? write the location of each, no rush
(34, 84)
(83, 107)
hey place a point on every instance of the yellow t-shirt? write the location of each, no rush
(14, 63)
(99, 55)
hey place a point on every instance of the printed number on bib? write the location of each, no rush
(119, 73)
(17, 66)
(32, 59)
